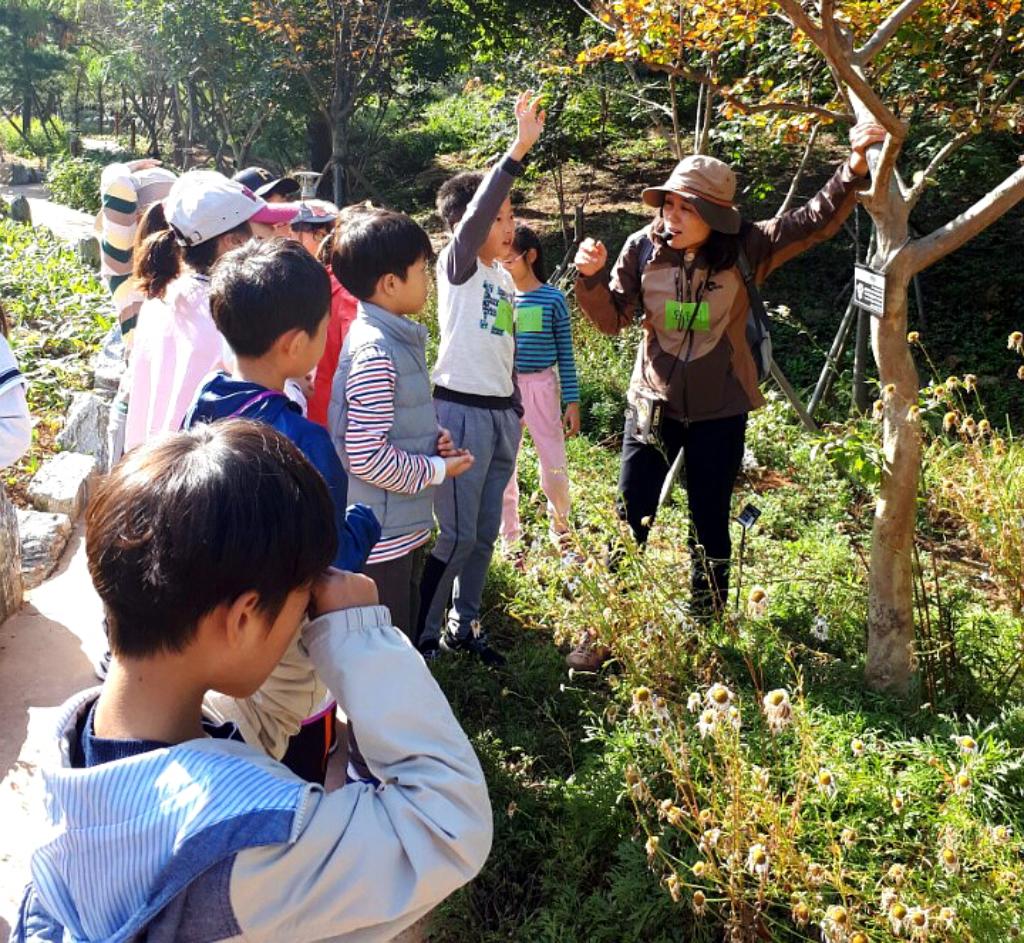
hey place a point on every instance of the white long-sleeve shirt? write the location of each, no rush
(15, 424)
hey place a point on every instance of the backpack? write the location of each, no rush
(759, 337)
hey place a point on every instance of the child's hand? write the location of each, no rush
(529, 123)
(445, 443)
(571, 420)
(590, 256)
(337, 589)
(460, 461)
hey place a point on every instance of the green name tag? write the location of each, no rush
(686, 315)
(503, 321)
(530, 320)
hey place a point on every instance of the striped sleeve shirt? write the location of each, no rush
(544, 337)
(370, 391)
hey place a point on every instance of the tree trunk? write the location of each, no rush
(890, 650)
(99, 106)
(10, 559)
(338, 163)
(26, 112)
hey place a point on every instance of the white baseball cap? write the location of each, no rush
(204, 204)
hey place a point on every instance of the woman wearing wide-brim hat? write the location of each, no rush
(694, 361)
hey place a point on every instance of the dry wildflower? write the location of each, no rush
(675, 816)
(848, 837)
(897, 914)
(801, 913)
(888, 391)
(1000, 834)
(762, 777)
(651, 846)
(858, 937)
(1020, 372)
(897, 803)
(998, 446)
(699, 869)
(608, 614)
(757, 602)
(857, 747)
(709, 840)
(949, 860)
(674, 886)
(947, 915)
(984, 428)
(949, 422)
(704, 817)
(641, 699)
(719, 697)
(777, 710)
(700, 903)
(835, 928)
(826, 782)
(917, 923)
(970, 427)
(896, 875)
(962, 781)
(816, 874)
(970, 383)
(693, 702)
(914, 413)
(967, 744)
(706, 724)
(913, 337)
(1015, 342)
(877, 409)
(734, 717)
(757, 860)
(952, 383)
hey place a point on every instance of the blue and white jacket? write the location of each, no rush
(210, 840)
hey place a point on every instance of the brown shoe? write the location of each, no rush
(588, 655)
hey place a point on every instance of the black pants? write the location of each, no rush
(308, 751)
(398, 586)
(712, 455)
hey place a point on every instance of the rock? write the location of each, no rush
(62, 485)
(20, 211)
(18, 175)
(43, 539)
(11, 586)
(87, 248)
(85, 430)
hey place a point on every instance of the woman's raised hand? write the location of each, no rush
(863, 136)
(590, 256)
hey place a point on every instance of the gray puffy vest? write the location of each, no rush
(415, 425)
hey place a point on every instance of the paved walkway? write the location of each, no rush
(61, 220)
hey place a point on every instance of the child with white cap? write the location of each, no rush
(176, 342)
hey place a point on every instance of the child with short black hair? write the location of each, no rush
(382, 415)
(475, 392)
(270, 301)
(207, 549)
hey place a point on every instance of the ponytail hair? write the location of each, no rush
(159, 257)
(4, 327)
(156, 260)
(526, 239)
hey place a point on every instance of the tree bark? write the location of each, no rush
(10, 559)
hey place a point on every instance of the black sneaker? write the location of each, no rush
(474, 644)
(429, 649)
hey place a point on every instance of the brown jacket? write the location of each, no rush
(707, 372)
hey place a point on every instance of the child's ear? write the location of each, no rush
(290, 343)
(242, 619)
(531, 257)
(386, 284)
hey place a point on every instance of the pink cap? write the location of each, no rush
(275, 214)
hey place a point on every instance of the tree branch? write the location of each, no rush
(940, 243)
(795, 182)
(941, 156)
(886, 30)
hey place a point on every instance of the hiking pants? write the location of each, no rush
(712, 456)
(468, 511)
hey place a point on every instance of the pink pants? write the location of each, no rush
(543, 415)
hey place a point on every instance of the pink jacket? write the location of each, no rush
(176, 347)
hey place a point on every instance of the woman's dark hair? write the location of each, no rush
(526, 239)
(4, 326)
(157, 258)
(722, 251)
(195, 519)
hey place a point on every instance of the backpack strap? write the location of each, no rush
(753, 292)
(253, 400)
(646, 253)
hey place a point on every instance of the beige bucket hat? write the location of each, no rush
(706, 182)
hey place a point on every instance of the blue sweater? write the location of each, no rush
(221, 397)
(537, 350)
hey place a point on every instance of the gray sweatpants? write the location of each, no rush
(468, 510)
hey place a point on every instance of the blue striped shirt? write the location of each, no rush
(536, 350)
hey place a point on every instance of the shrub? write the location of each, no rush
(43, 140)
(75, 181)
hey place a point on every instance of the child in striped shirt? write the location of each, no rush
(382, 417)
(551, 402)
